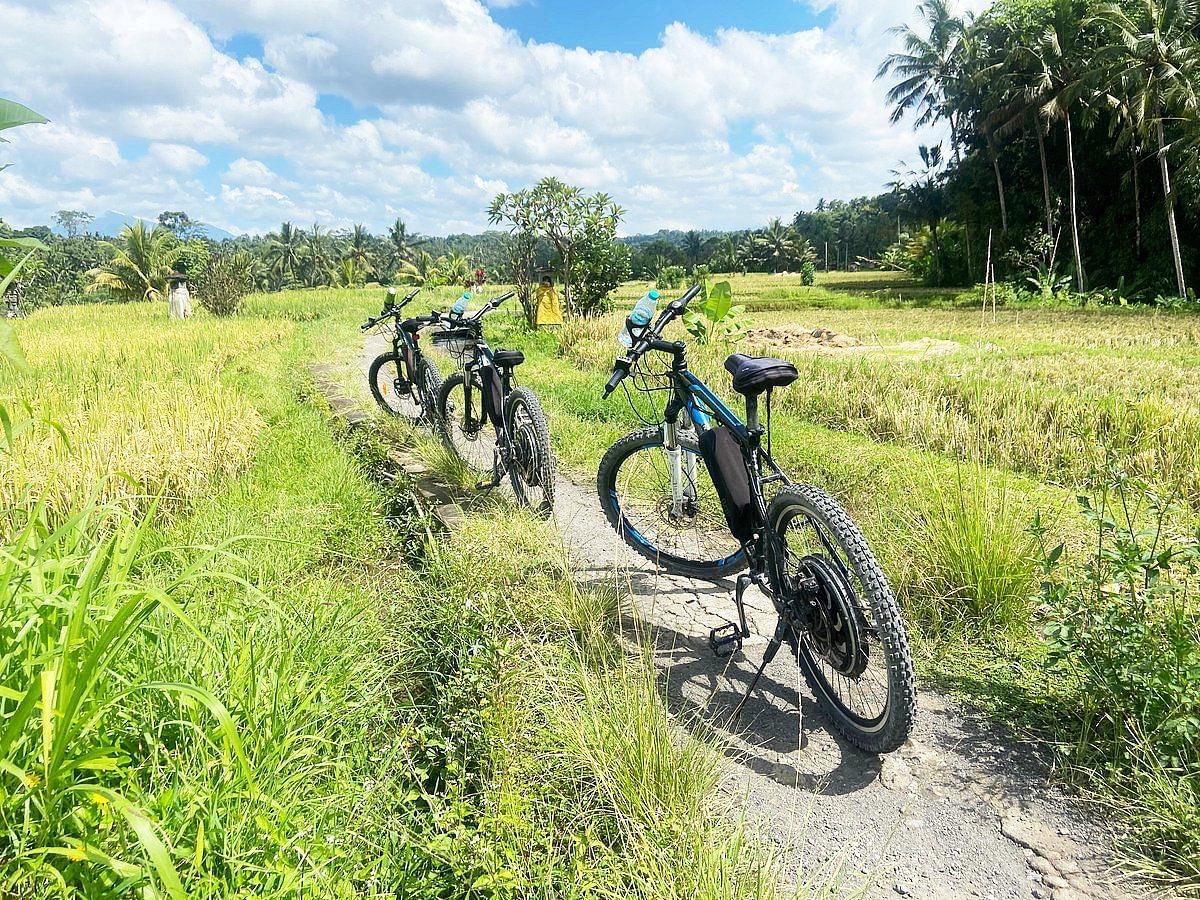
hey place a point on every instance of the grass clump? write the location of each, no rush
(973, 556)
(581, 785)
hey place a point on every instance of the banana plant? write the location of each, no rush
(714, 316)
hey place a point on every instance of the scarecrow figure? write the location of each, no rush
(549, 307)
(179, 300)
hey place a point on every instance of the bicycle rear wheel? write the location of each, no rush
(635, 487)
(852, 646)
(531, 466)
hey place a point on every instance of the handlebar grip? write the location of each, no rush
(621, 369)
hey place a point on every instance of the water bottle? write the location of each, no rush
(643, 312)
(460, 306)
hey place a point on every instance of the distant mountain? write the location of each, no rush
(110, 223)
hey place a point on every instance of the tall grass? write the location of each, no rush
(71, 614)
(584, 786)
(974, 556)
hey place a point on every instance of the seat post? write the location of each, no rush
(752, 413)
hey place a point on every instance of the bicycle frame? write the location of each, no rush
(485, 357)
(693, 397)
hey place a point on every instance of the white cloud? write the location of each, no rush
(720, 131)
(178, 157)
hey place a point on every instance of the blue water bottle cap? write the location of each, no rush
(654, 295)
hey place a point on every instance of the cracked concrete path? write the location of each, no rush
(961, 811)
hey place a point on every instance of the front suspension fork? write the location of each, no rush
(681, 468)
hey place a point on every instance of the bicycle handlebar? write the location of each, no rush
(393, 310)
(492, 305)
(649, 337)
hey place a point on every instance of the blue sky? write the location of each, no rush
(635, 25)
(692, 114)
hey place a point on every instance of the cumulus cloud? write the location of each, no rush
(720, 130)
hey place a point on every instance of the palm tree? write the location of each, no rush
(1156, 58)
(692, 247)
(401, 242)
(927, 68)
(358, 248)
(725, 257)
(922, 194)
(349, 272)
(285, 253)
(316, 256)
(773, 245)
(141, 262)
(1059, 82)
(978, 80)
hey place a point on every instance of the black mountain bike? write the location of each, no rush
(484, 393)
(689, 493)
(403, 381)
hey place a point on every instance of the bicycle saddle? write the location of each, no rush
(755, 374)
(509, 359)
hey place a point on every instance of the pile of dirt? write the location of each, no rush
(799, 337)
(826, 340)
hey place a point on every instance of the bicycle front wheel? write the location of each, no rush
(464, 426)
(393, 391)
(531, 459)
(850, 643)
(666, 507)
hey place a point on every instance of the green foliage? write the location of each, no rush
(1066, 117)
(714, 317)
(140, 263)
(72, 609)
(1125, 624)
(224, 283)
(601, 265)
(572, 223)
(669, 278)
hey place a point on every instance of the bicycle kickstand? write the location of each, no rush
(772, 648)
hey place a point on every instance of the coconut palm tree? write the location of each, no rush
(922, 194)
(693, 247)
(285, 253)
(926, 68)
(1155, 57)
(779, 246)
(141, 262)
(358, 248)
(1061, 80)
(317, 256)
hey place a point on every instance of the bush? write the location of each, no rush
(1125, 626)
(599, 266)
(224, 283)
(671, 277)
(808, 273)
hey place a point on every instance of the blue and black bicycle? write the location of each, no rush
(690, 493)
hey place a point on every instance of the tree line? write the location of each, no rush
(1072, 130)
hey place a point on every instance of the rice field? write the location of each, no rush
(234, 661)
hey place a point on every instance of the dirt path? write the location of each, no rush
(961, 811)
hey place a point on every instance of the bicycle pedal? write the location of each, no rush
(725, 640)
(488, 484)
